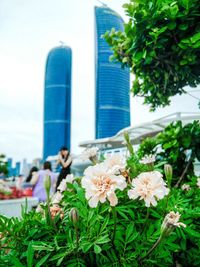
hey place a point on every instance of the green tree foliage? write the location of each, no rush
(177, 145)
(161, 46)
(3, 165)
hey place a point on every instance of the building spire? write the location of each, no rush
(61, 43)
(102, 3)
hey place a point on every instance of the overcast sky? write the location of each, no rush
(28, 30)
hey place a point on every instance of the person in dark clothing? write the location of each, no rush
(33, 170)
(65, 160)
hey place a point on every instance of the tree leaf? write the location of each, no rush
(97, 249)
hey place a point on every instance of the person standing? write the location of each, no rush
(32, 172)
(65, 160)
(38, 182)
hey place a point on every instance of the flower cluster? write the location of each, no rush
(148, 186)
(101, 182)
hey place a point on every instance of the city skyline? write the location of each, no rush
(29, 29)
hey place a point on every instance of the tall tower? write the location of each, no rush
(112, 82)
(57, 100)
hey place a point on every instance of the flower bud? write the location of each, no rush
(55, 210)
(128, 143)
(198, 182)
(47, 184)
(168, 173)
(171, 221)
(74, 215)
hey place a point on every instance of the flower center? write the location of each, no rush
(103, 184)
(146, 189)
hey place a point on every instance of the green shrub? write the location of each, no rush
(127, 233)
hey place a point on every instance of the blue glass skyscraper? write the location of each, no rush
(112, 82)
(57, 100)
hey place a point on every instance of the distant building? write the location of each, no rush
(112, 82)
(13, 171)
(9, 164)
(37, 162)
(25, 168)
(17, 168)
(57, 100)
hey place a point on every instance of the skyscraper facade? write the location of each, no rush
(57, 100)
(112, 82)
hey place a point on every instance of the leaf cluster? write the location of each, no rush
(31, 241)
(161, 46)
(175, 145)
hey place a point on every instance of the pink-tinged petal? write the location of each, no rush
(147, 202)
(180, 224)
(113, 199)
(89, 194)
(102, 198)
(153, 201)
(93, 202)
(85, 182)
(132, 194)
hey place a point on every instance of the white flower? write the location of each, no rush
(171, 221)
(100, 184)
(4, 188)
(148, 159)
(57, 197)
(116, 163)
(63, 184)
(198, 182)
(148, 186)
(39, 209)
(70, 178)
(185, 187)
(89, 153)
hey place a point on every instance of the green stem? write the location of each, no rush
(48, 209)
(184, 172)
(49, 219)
(115, 223)
(76, 231)
(167, 200)
(146, 220)
(151, 249)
